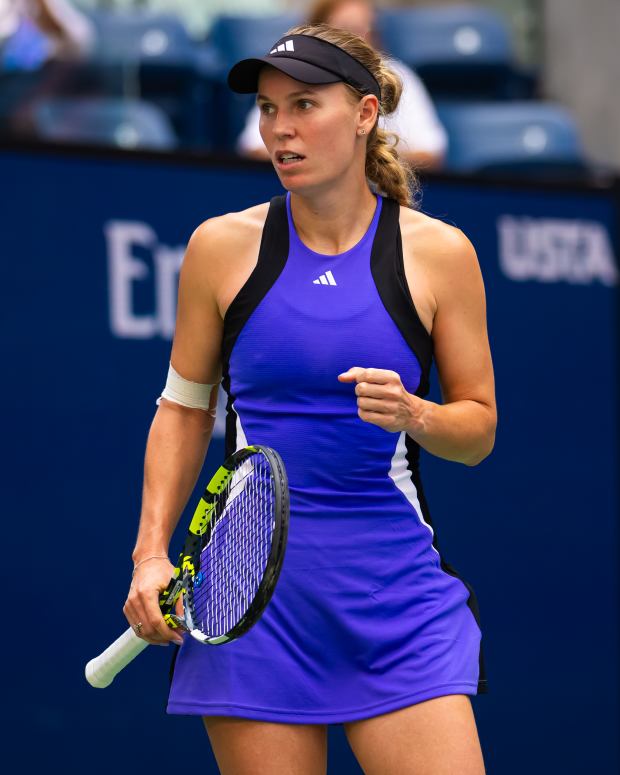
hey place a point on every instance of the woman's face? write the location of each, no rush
(308, 130)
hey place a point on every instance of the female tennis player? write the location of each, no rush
(320, 311)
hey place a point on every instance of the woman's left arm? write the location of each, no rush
(462, 428)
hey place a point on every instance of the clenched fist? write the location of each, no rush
(383, 400)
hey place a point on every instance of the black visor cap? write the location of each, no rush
(307, 59)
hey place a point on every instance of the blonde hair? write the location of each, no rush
(390, 174)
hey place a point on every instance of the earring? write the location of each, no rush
(361, 131)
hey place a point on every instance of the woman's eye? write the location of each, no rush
(305, 104)
(266, 109)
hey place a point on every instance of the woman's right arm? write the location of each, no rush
(179, 437)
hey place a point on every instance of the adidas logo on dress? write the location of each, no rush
(325, 279)
(286, 46)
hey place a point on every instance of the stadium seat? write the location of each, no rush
(143, 36)
(238, 37)
(532, 138)
(233, 38)
(104, 121)
(457, 50)
(154, 55)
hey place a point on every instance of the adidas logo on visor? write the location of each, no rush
(286, 46)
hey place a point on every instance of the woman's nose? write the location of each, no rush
(283, 126)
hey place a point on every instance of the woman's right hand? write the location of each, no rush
(142, 604)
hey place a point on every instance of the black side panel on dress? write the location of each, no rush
(388, 271)
(272, 256)
(413, 455)
(173, 662)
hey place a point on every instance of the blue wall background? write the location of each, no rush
(90, 246)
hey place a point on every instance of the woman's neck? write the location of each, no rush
(333, 221)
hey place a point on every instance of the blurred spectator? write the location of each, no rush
(33, 32)
(40, 40)
(22, 45)
(423, 140)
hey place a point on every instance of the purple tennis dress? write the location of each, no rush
(367, 617)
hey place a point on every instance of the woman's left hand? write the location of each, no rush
(383, 400)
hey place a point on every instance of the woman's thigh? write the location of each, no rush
(248, 747)
(435, 737)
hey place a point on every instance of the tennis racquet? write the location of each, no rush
(230, 562)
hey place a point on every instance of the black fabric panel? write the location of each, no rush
(413, 464)
(272, 256)
(413, 455)
(388, 271)
(230, 431)
(472, 602)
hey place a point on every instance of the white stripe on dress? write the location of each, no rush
(401, 476)
(241, 440)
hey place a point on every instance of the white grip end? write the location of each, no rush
(101, 670)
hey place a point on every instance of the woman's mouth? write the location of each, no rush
(288, 158)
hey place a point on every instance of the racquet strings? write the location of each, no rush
(233, 562)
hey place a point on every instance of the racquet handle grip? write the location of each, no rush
(101, 670)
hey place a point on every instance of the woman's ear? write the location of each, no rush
(368, 112)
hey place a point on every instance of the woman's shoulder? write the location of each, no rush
(440, 263)
(231, 230)
(224, 247)
(434, 240)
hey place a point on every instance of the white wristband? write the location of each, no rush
(181, 391)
